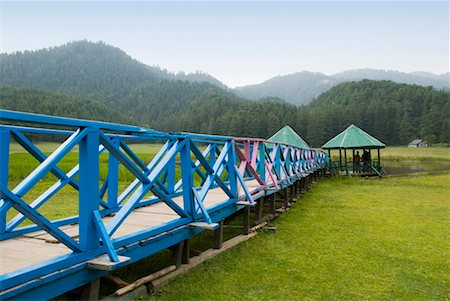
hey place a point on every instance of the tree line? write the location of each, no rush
(394, 113)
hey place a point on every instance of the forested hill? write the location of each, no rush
(394, 113)
(114, 87)
(93, 70)
(57, 104)
(298, 88)
(302, 87)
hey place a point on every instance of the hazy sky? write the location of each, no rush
(243, 42)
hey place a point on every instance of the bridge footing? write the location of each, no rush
(90, 291)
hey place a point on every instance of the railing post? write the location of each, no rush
(262, 159)
(4, 167)
(212, 154)
(113, 177)
(231, 162)
(288, 161)
(277, 162)
(89, 192)
(171, 168)
(187, 178)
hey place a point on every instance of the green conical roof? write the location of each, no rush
(353, 137)
(287, 135)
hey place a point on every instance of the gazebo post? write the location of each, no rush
(379, 160)
(340, 159)
(345, 160)
(329, 161)
(370, 161)
(353, 160)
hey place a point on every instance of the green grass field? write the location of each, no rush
(403, 153)
(378, 239)
(346, 239)
(411, 153)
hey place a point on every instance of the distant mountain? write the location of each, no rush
(301, 88)
(416, 78)
(199, 77)
(297, 88)
(149, 95)
(94, 70)
(98, 81)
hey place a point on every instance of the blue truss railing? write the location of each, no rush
(187, 165)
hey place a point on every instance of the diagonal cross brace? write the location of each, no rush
(213, 171)
(110, 250)
(38, 219)
(245, 163)
(242, 181)
(49, 163)
(136, 182)
(41, 157)
(19, 218)
(36, 175)
(126, 209)
(201, 206)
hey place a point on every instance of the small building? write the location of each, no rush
(355, 139)
(418, 143)
(287, 135)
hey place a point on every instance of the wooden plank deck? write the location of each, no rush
(33, 248)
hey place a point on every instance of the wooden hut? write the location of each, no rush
(355, 139)
(418, 143)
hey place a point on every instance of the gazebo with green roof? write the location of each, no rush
(287, 135)
(355, 138)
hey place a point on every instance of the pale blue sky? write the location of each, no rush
(243, 42)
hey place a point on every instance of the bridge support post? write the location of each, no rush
(177, 254)
(259, 209)
(218, 236)
(298, 186)
(294, 192)
(246, 220)
(273, 203)
(90, 291)
(286, 197)
(186, 252)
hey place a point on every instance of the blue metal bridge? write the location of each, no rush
(129, 205)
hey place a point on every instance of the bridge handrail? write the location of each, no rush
(187, 165)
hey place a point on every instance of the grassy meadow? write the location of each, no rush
(403, 153)
(413, 153)
(346, 239)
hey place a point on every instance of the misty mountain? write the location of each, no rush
(301, 88)
(199, 77)
(94, 80)
(151, 96)
(298, 88)
(416, 78)
(93, 70)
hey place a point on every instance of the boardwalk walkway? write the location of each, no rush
(189, 186)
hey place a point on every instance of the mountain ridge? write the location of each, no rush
(114, 65)
(301, 88)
